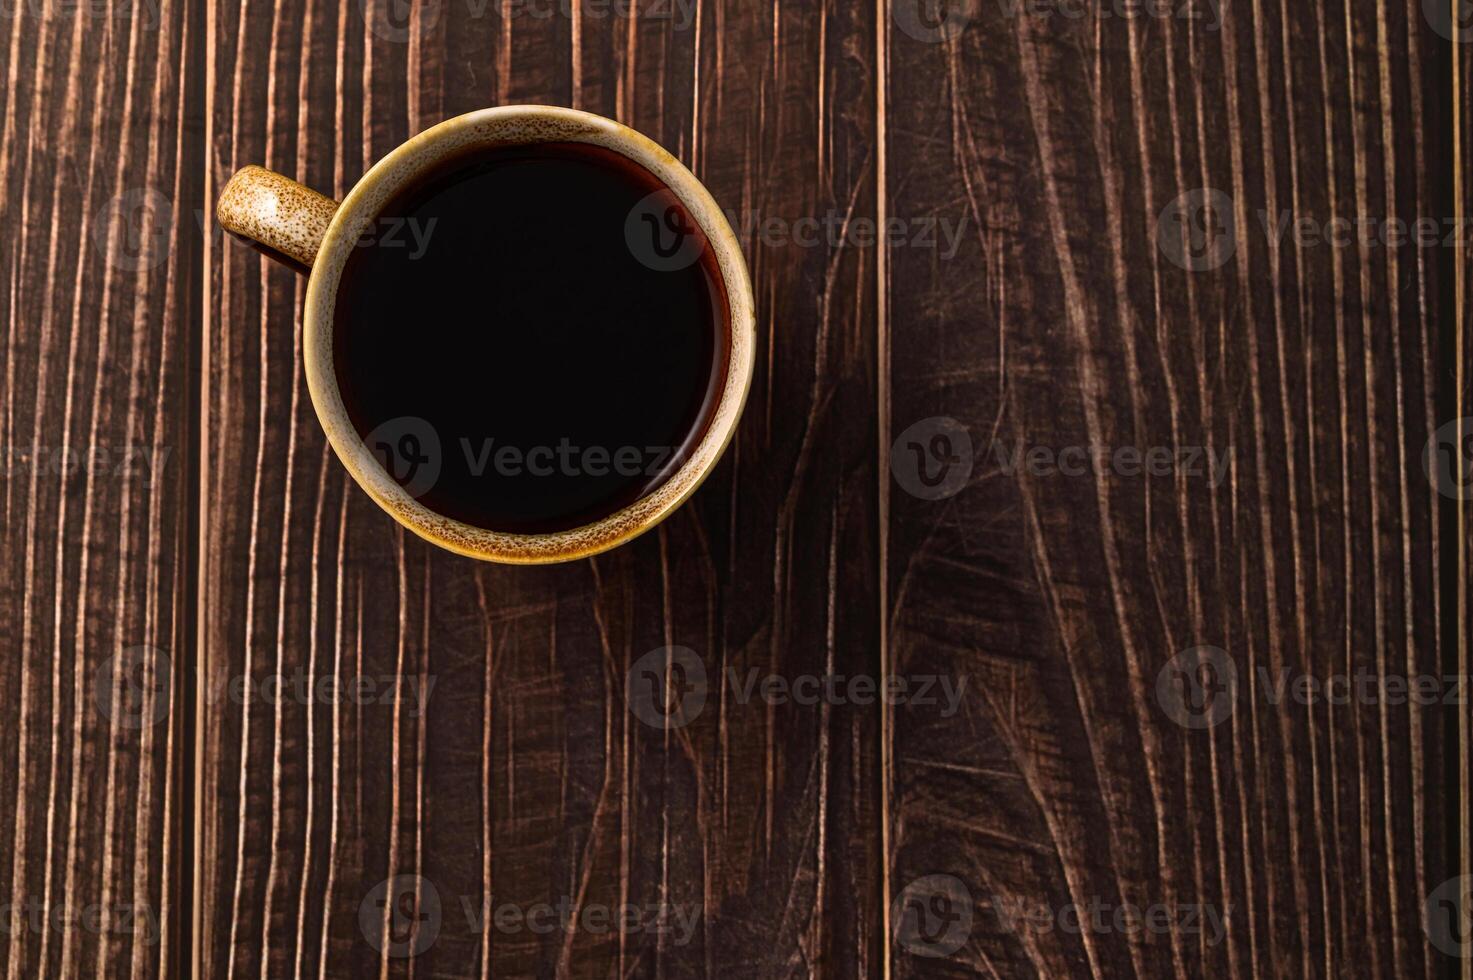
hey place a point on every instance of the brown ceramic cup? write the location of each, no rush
(319, 234)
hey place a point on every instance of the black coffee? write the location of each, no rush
(528, 340)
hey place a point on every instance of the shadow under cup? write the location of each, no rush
(530, 338)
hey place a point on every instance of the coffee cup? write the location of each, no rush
(493, 513)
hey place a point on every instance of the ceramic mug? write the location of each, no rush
(319, 234)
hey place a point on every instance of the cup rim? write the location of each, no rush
(510, 125)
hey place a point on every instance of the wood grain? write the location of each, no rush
(529, 781)
(988, 199)
(1316, 830)
(1455, 401)
(100, 299)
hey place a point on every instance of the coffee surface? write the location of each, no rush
(531, 338)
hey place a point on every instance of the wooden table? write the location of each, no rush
(997, 262)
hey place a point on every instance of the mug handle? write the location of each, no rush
(275, 212)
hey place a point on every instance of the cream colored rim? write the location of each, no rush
(520, 125)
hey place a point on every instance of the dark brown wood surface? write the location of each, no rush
(1016, 166)
(1319, 828)
(101, 168)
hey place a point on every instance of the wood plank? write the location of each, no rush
(795, 837)
(528, 781)
(1455, 401)
(1317, 830)
(98, 295)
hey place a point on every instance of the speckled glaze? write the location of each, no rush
(276, 211)
(290, 219)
